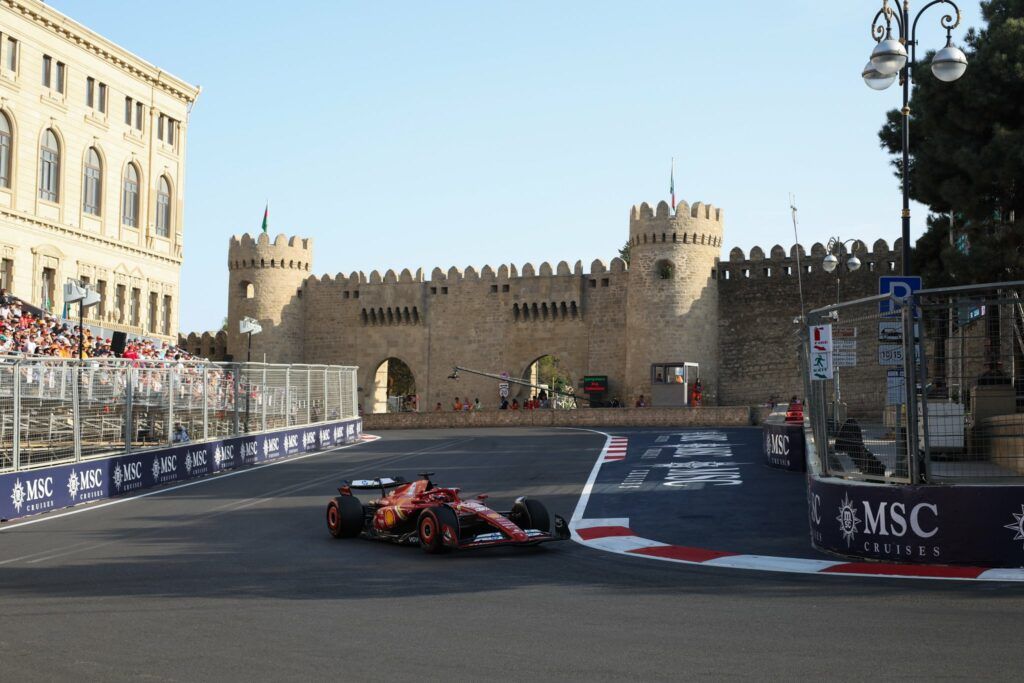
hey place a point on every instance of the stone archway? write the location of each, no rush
(551, 372)
(393, 387)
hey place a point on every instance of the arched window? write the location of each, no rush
(5, 151)
(130, 202)
(163, 208)
(49, 168)
(92, 182)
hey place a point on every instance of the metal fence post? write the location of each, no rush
(287, 396)
(16, 433)
(206, 405)
(355, 392)
(910, 379)
(128, 391)
(264, 394)
(309, 391)
(234, 406)
(169, 384)
(323, 398)
(76, 412)
(922, 378)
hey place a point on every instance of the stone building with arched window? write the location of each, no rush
(92, 159)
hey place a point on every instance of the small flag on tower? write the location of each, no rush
(672, 183)
(266, 215)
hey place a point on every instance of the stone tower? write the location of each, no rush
(672, 300)
(265, 283)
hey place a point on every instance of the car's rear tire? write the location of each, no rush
(344, 517)
(528, 513)
(438, 529)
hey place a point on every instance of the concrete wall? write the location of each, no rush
(719, 416)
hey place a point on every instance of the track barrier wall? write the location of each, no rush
(81, 430)
(933, 474)
(49, 488)
(704, 416)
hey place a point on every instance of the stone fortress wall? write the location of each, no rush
(674, 302)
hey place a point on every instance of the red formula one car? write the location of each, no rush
(436, 518)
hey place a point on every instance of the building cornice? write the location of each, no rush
(90, 41)
(35, 221)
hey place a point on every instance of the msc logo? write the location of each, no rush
(249, 450)
(308, 439)
(35, 494)
(325, 436)
(127, 476)
(351, 431)
(271, 446)
(165, 468)
(894, 521)
(291, 442)
(339, 433)
(88, 483)
(887, 519)
(195, 461)
(777, 444)
(223, 454)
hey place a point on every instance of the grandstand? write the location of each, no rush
(55, 408)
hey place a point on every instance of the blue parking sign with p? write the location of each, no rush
(899, 286)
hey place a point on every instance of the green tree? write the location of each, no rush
(624, 252)
(967, 156)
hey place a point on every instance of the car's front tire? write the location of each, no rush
(344, 517)
(528, 513)
(438, 529)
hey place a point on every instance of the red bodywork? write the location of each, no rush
(394, 517)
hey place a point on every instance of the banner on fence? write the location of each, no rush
(976, 525)
(33, 491)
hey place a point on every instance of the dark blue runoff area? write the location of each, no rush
(706, 488)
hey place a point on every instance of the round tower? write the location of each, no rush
(265, 281)
(672, 298)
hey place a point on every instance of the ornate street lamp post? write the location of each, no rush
(889, 59)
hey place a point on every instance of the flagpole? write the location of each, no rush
(672, 183)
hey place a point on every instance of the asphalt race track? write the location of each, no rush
(236, 578)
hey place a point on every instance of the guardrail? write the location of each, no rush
(59, 411)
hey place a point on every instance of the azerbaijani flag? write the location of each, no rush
(672, 183)
(266, 216)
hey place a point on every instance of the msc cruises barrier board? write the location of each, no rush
(976, 525)
(39, 490)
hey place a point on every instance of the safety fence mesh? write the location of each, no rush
(924, 388)
(55, 411)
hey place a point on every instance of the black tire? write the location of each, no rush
(438, 529)
(345, 517)
(528, 513)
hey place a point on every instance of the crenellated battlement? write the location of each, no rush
(293, 252)
(468, 275)
(699, 224)
(879, 259)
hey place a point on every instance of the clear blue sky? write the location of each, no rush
(401, 134)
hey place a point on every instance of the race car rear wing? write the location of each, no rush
(386, 482)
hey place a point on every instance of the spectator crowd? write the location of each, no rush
(25, 331)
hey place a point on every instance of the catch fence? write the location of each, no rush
(927, 388)
(57, 411)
